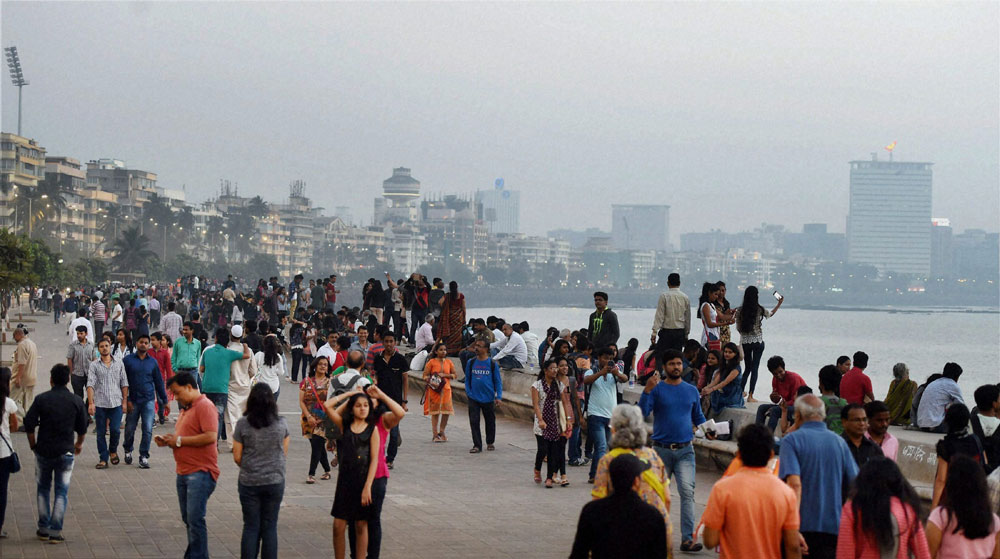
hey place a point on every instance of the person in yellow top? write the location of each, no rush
(438, 373)
(25, 372)
(628, 436)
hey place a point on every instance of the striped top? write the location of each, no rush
(107, 382)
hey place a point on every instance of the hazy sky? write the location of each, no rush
(734, 114)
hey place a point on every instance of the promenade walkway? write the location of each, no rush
(441, 501)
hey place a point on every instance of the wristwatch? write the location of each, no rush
(177, 442)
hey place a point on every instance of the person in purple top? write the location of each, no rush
(676, 408)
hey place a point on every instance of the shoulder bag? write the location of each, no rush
(15, 462)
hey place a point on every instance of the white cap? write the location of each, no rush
(236, 331)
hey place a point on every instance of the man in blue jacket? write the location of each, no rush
(145, 383)
(484, 387)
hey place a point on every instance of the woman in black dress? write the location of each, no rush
(357, 449)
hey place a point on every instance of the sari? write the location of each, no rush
(452, 321)
(899, 399)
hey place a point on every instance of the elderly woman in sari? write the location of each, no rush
(629, 435)
(900, 396)
(452, 319)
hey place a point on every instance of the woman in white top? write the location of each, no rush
(270, 365)
(748, 323)
(710, 318)
(8, 423)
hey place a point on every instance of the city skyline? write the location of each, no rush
(731, 118)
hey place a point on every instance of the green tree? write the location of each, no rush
(87, 271)
(43, 204)
(113, 221)
(182, 265)
(46, 265)
(131, 251)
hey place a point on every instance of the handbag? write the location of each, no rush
(435, 383)
(15, 462)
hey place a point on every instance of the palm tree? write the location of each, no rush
(131, 251)
(257, 207)
(41, 204)
(111, 218)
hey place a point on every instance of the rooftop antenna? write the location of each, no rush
(17, 78)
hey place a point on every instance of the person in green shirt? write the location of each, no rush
(186, 352)
(829, 387)
(215, 362)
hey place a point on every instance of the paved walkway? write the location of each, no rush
(442, 501)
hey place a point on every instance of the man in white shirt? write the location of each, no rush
(240, 373)
(116, 315)
(425, 334)
(511, 352)
(531, 342)
(345, 381)
(329, 349)
(672, 323)
(82, 320)
(937, 397)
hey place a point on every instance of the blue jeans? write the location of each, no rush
(751, 355)
(260, 519)
(103, 416)
(772, 414)
(147, 412)
(574, 443)
(193, 491)
(393, 447)
(680, 463)
(221, 400)
(599, 430)
(47, 470)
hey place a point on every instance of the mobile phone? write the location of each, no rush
(778, 296)
(158, 438)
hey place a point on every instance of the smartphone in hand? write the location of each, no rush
(778, 296)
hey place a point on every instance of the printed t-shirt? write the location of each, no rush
(855, 385)
(200, 418)
(751, 508)
(957, 546)
(217, 360)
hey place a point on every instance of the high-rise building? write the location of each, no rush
(942, 251)
(501, 210)
(402, 192)
(640, 227)
(889, 224)
(22, 167)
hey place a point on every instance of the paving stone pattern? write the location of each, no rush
(442, 501)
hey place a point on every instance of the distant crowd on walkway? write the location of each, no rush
(815, 474)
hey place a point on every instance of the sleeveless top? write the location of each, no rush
(355, 449)
(713, 315)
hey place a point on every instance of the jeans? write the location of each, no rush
(98, 329)
(464, 356)
(574, 444)
(296, 364)
(47, 470)
(192, 372)
(772, 414)
(115, 325)
(260, 519)
(680, 463)
(598, 429)
(193, 491)
(221, 400)
(416, 320)
(55, 315)
(147, 412)
(489, 413)
(103, 416)
(751, 355)
(393, 447)
(375, 524)
(5, 465)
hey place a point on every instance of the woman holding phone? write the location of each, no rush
(749, 317)
(710, 319)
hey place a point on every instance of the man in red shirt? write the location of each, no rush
(196, 454)
(856, 387)
(331, 292)
(784, 387)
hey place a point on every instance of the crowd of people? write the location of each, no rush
(814, 474)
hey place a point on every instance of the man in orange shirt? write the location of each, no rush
(752, 513)
(196, 454)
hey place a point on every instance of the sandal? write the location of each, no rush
(475, 450)
(102, 465)
(114, 459)
(443, 438)
(548, 483)
(538, 476)
(325, 476)
(436, 438)
(565, 482)
(310, 480)
(691, 547)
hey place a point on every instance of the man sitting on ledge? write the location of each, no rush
(511, 353)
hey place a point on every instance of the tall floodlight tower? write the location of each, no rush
(17, 78)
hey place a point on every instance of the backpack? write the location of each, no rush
(339, 385)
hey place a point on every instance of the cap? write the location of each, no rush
(625, 468)
(237, 331)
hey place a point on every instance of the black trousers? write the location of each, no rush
(489, 413)
(821, 545)
(318, 456)
(79, 386)
(550, 450)
(670, 339)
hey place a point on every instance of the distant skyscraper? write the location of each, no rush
(889, 224)
(640, 227)
(501, 210)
